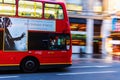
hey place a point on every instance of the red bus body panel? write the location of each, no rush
(45, 57)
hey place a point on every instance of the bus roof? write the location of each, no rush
(53, 1)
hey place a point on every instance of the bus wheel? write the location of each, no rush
(29, 65)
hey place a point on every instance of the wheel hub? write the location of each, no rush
(30, 64)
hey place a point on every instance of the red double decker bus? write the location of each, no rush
(34, 34)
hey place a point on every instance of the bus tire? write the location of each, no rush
(29, 65)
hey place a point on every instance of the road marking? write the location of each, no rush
(100, 72)
(1, 77)
(90, 66)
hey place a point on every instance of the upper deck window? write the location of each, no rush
(7, 7)
(30, 9)
(53, 11)
(9, 1)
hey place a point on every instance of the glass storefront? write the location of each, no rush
(114, 41)
(97, 39)
(78, 30)
(79, 39)
(114, 37)
(78, 27)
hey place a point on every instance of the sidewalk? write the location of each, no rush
(94, 57)
(101, 57)
(88, 56)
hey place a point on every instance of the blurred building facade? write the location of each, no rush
(86, 23)
(91, 23)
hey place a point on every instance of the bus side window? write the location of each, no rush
(60, 14)
(59, 42)
(53, 11)
(51, 16)
(30, 9)
(7, 9)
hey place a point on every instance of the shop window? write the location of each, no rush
(7, 7)
(78, 27)
(30, 9)
(78, 39)
(53, 11)
(116, 48)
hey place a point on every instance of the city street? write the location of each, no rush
(47, 32)
(82, 69)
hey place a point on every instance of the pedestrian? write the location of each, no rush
(81, 52)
